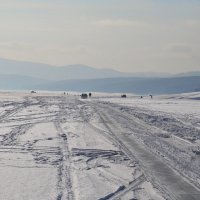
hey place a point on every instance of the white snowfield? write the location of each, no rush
(60, 147)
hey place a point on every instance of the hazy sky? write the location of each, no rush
(127, 35)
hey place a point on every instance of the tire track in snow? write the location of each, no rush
(64, 170)
(122, 191)
(183, 163)
(11, 112)
(144, 161)
(11, 137)
(112, 137)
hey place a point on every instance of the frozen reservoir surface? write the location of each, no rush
(61, 147)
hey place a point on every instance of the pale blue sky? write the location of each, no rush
(128, 35)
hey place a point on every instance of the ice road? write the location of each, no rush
(59, 147)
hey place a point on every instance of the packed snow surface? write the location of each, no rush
(56, 146)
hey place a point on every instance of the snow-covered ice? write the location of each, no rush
(59, 147)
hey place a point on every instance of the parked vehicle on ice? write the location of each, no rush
(123, 96)
(84, 96)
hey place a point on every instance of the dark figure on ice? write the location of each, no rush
(90, 94)
(141, 97)
(151, 96)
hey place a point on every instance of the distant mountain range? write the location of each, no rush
(17, 75)
(49, 72)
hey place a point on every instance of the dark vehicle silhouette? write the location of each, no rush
(123, 96)
(84, 96)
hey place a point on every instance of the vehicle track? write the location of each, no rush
(64, 174)
(137, 182)
(64, 179)
(57, 157)
(11, 112)
(11, 137)
(112, 137)
(164, 178)
(184, 163)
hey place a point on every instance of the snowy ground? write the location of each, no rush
(59, 147)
